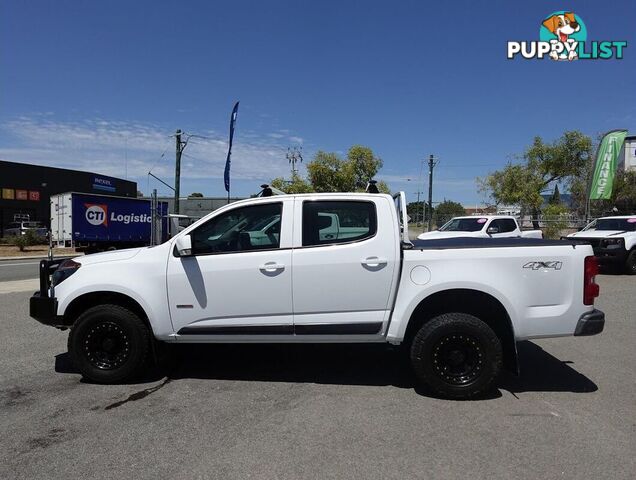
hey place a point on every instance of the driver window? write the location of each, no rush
(256, 227)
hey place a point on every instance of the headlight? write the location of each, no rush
(65, 270)
(612, 242)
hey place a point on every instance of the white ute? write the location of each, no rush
(333, 267)
(482, 226)
(613, 240)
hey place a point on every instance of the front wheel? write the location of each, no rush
(457, 355)
(109, 344)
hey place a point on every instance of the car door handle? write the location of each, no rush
(374, 261)
(271, 267)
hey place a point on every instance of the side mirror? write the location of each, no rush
(492, 230)
(184, 245)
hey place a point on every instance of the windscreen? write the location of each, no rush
(464, 225)
(622, 224)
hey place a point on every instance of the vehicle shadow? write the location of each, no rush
(342, 364)
(542, 372)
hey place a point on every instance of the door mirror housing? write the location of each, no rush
(184, 245)
(492, 230)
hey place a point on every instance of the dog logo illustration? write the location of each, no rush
(558, 28)
(563, 37)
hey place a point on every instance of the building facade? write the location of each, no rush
(25, 189)
(629, 149)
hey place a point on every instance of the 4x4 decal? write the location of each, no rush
(550, 264)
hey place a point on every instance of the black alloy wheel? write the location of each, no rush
(107, 346)
(457, 359)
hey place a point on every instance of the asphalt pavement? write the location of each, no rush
(19, 269)
(321, 411)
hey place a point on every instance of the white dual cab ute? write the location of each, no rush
(613, 240)
(322, 268)
(482, 226)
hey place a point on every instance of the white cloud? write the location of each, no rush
(414, 180)
(102, 146)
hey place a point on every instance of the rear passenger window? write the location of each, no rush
(508, 225)
(327, 222)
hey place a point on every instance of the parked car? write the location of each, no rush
(483, 226)
(613, 240)
(457, 305)
(22, 227)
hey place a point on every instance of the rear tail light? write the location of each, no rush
(590, 287)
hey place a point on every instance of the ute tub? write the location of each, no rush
(538, 282)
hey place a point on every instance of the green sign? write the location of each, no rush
(606, 162)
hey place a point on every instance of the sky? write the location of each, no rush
(102, 86)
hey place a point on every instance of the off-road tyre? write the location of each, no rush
(456, 355)
(109, 344)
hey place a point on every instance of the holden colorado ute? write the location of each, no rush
(483, 226)
(332, 267)
(613, 240)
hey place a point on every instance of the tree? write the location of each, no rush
(624, 192)
(555, 199)
(543, 164)
(555, 216)
(328, 172)
(195, 195)
(447, 210)
(296, 185)
(25, 240)
(448, 207)
(361, 166)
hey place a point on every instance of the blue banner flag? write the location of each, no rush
(226, 176)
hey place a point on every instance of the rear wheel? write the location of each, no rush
(630, 264)
(109, 344)
(457, 355)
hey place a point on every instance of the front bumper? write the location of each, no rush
(43, 305)
(613, 254)
(590, 323)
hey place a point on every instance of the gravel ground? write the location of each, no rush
(331, 411)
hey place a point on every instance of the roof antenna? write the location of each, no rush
(372, 187)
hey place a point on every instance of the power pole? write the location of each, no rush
(420, 189)
(431, 165)
(177, 171)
